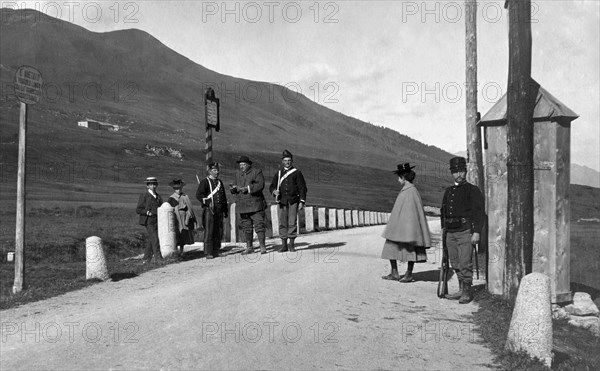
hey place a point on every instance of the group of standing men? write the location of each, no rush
(462, 212)
(288, 187)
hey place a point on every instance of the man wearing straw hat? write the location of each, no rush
(147, 209)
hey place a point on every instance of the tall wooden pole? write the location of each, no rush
(474, 152)
(20, 225)
(521, 96)
(475, 173)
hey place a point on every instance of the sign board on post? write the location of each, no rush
(28, 85)
(211, 109)
(28, 89)
(211, 115)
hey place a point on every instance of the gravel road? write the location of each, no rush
(324, 307)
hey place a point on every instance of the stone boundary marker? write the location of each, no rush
(531, 324)
(166, 230)
(95, 261)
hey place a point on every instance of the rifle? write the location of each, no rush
(442, 289)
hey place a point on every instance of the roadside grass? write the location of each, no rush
(573, 349)
(55, 250)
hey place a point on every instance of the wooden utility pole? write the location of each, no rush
(20, 217)
(474, 152)
(28, 89)
(475, 174)
(521, 96)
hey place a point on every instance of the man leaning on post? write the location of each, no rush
(147, 209)
(289, 188)
(462, 217)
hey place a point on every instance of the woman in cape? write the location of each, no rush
(406, 233)
(184, 214)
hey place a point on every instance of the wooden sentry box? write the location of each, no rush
(552, 158)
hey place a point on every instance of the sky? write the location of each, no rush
(398, 64)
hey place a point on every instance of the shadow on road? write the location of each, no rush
(319, 245)
(431, 276)
(122, 276)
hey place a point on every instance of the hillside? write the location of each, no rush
(130, 78)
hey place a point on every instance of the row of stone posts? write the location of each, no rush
(317, 219)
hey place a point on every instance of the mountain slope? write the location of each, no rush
(130, 77)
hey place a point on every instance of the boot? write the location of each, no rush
(249, 249)
(261, 243)
(458, 294)
(466, 296)
(292, 249)
(284, 246)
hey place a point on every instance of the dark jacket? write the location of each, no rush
(292, 189)
(463, 201)
(219, 200)
(148, 203)
(249, 197)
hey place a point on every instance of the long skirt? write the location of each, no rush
(185, 237)
(403, 252)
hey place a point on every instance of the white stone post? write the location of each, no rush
(348, 218)
(275, 220)
(167, 226)
(309, 220)
(361, 218)
(355, 218)
(322, 219)
(340, 218)
(233, 223)
(332, 219)
(95, 262)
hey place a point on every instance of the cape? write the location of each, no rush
(407, 221)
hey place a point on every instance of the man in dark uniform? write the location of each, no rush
(147, 209)
(289, 188)
(462, 216)
(211, 194)
(250, 202)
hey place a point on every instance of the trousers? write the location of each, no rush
(213, 230)
(152, 244)
(287, 220)
(460, 254)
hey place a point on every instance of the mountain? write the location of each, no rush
(130, 78)
(580, 174)
(584, 175)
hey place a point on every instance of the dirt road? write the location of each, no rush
(325, 307)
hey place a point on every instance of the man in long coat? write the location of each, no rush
(289, 188)
(250, 202)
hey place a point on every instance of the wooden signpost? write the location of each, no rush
(28, 89)
(211, 115)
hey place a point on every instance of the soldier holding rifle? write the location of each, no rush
(462, 217)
